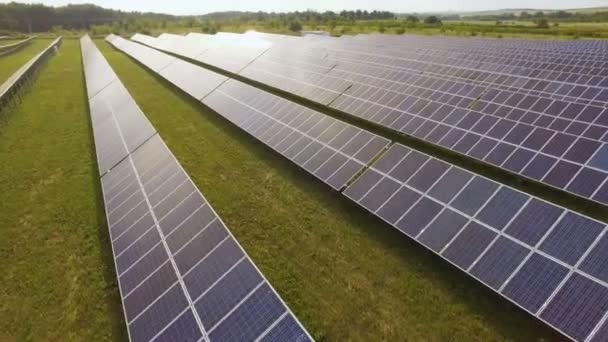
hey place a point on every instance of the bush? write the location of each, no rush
(295, 26)
(432, 20)
(542, 23)
(400, 30)
(412, 19)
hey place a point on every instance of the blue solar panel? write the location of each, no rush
(535, 282)
(499, 262)
(572, 315)
(602, 333)
(258, 311)
(474, 195)
(300, 134)
(442, 230)
(286, 330)
(181, 273)
(533, 222)
(596, 263)
(515, 244)
(469, 245)
(498, 114)
(502, 207)
(571, 238)
(489, 230)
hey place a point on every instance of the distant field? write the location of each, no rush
(12, 62)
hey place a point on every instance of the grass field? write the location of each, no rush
(12, 62)
(57, 272)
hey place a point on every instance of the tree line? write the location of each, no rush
(39, 18)
(557, 16)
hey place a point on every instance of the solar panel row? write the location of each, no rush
(327, 148)
(546, 259)
(182, 275)
(560, 142)
(10, 48)
(8, 87)
(564, 52)
(557, 79)
(571, 80)
(212, 49)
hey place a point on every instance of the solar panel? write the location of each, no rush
(546, 145)
(558, 141)
(327, 148)
(580, 76)
(211, 49)
(8, 87)
(544, 258)
(182, 275)
(197, 82)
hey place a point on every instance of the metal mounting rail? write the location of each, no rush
(10, 87)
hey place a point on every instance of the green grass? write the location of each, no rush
(345, 274)
(9, 41)
(13, 61)
(57, 274)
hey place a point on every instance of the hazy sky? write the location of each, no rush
(206, 6)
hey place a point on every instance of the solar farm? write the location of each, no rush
(267, 187)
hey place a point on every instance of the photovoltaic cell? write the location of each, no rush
(499, 262)
(596, 263)
(572, 315)
(534, 282)
(571, 238)
(179, 269)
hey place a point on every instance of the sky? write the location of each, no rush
(185, 7)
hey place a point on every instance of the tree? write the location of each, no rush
(295, 26)
(432, 20)
(412, 19)
(542, 23)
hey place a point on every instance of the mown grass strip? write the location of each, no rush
(345, 274)
(12, 62)
(56, 272)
